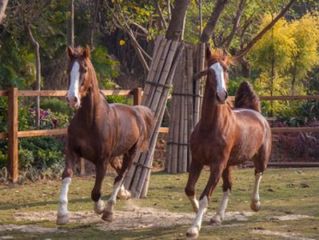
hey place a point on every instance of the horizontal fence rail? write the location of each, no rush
(13, 133)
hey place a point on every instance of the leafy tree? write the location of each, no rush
(305, 56)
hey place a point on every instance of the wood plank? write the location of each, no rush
(3, 135)
(287, 164)
(62, 93)
(294, 129)
(42, 133)
(3, 93)
(13, 142)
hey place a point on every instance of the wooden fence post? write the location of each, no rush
(137, 96)
(82, 167)
(13, 134)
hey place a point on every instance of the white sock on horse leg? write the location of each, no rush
(220, 214)
(63, 206)
(112, 199)
(255, 200)
(123, 193)
(197, 223)
(194, 203)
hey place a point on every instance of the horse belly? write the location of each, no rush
(244, 151)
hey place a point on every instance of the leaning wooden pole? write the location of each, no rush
(165, 58)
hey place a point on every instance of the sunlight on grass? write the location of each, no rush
(283, 192)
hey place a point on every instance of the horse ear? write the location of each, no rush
(208, 52)
(70, 52)
(87, 52)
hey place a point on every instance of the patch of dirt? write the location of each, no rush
(290, 236)
(133, 217)
(290, 217)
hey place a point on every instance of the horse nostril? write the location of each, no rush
(75, 99)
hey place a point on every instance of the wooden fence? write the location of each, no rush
(14, 134)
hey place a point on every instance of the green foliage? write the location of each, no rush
(106, 68)
(56, 105)
(283, 57)
(40, 153)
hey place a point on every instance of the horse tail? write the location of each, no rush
(247, 98)
(146, 126)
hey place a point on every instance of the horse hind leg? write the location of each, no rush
(260, 162)
(123, 194)
(99, 204)
(118, 184)
(227, 185)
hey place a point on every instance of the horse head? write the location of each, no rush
(217, 75)
(79, 75)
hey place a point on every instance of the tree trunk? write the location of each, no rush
(176, 26)
(93, 23)
(200, 16)
(3, 6)
(71, 25)
(210, 25)
(38, 73)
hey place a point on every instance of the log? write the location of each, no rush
(137, 179)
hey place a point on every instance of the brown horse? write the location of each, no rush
(99, 132)
(225, 137)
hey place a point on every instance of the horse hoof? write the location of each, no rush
(192, 233)
(99, 207)
(216, 220)
(62, 220)
(255, 206)
(107, 216)
(124, 195)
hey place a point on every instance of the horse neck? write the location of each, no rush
(213, 114)
(92, 102)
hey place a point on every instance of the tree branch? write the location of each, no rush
(266, 29)
(159, 10)
(211, 24)
(38, 71)
(3, 6)
(239, 13)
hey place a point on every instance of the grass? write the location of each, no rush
(283, 192)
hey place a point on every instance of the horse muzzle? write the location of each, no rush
(73, 102)
(221, 96)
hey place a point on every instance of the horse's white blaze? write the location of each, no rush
(73, 91)
(219, 72)
(255, 195)
(197, 223)
(223, 204)
(63, 206)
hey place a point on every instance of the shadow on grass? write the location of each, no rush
(16, 206)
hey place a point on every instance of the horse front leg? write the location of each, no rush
(63, 214)
(194, 173)
(118, 185)
(215, 174)
(100, 169)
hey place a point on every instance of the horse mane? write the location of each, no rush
(219, 55)
(246, 97)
